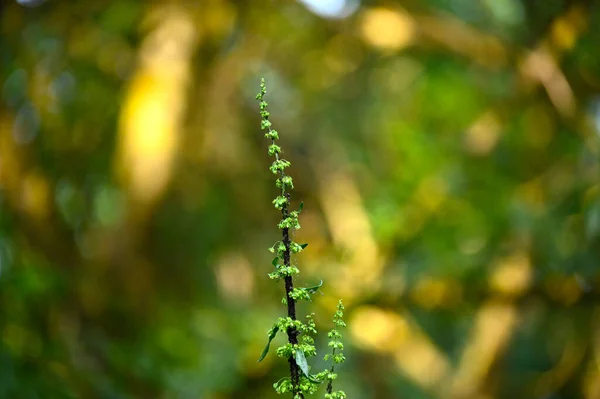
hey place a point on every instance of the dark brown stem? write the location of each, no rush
(330, 381)
(291, 303)
(292, 332)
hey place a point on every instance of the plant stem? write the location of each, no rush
(329, 380)
(292, 332)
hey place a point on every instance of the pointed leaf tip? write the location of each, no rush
(272, 335)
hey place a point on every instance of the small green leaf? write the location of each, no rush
(312, 290)
(275, 260)
(304, 245)
(301, 207)
(272, 334)
(301, 362)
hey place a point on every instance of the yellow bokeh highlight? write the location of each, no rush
(390, 333)
(387, 29)
(351, 230)
(154, 104)
(149, 135)
(482, 136)
(432, 293)
(35, 195)
(422, 362)
(26, 189)
(540, 65)
(591, 382)
(512, 276)
(493, 328)
(377, 329)
(461, 38)
(565, 30)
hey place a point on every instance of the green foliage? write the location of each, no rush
(300, 382)
(130, 202)
(336, 356)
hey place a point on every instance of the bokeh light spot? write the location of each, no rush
(387, 29)
(332, 8)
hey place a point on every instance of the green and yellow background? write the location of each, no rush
(447, 153)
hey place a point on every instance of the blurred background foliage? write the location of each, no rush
(447, 153)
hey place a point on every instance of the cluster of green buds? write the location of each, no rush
(336, 356)
(300, 343)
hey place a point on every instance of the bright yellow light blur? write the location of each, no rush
(512, 276)
(377, 329)
(566, 29)
(388, 332)
(387, 29)
(154, 105)
(422, 362)
(541, 66)
(494, 325)
(351, 230)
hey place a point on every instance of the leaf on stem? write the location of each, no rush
(313, 289)
(272, 334)
(301, 362)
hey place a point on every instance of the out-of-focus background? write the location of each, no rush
(447, 153)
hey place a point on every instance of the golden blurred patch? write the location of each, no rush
(432, 293)
(153, 108)
(387, 29)
(494, 325)
(377, 329)
(482, 136)
(512, 276)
